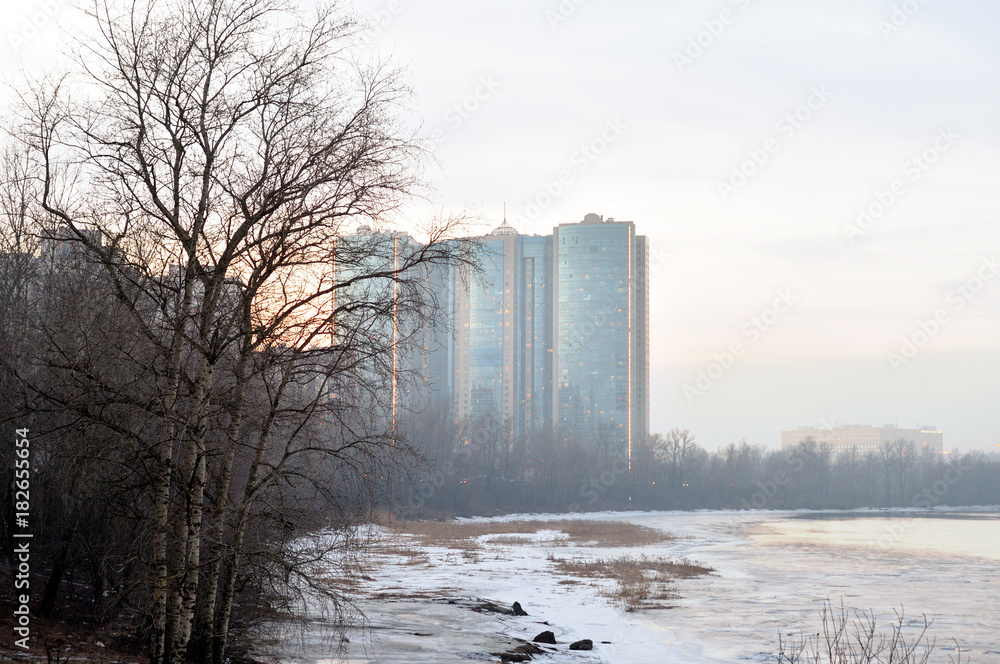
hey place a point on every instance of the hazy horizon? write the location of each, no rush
(512, 96)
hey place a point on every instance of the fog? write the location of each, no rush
(844, 151)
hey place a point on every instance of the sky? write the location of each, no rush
(818, 182)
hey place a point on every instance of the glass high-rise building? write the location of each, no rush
(503, 321)
(549, 332)
(601, 334)
(378, 323)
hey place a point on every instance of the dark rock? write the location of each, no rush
(491, 607)
(529, 649)
(514, 657)
(585, 644)
(545, 637)
(518, 611)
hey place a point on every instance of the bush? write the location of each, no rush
(856, 638)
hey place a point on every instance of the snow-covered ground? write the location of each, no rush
(773, 572)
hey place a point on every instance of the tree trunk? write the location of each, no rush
(186, 594)
(206, 613)
(226, 595)
(162, 485)
(51, 590)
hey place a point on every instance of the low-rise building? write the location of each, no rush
(864, 437)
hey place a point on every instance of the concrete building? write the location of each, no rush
(865, 438)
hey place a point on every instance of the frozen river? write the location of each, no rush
(774, 570)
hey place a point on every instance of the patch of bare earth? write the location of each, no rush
(641, 583)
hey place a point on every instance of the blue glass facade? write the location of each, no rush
(488, 302)
(549, 331)
(504, 330)
(380, 320)
(535, 319)
(601, 340)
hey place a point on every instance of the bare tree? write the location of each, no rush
(675, 451)
(17, 248)
(897, 458)
(209, 165)
(848, 464)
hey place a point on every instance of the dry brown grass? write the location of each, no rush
(463, 534)
(409, 556)
(611, 533)
(641, 583)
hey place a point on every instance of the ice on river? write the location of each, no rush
(773, 572)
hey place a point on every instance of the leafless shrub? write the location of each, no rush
(855, 637)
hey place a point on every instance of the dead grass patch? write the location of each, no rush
(641, 583)
(611, 533)
(463, 534)
(409, 556)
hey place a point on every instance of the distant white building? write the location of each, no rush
(865, 437)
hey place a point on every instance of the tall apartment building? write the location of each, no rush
(376, 314)
(503, 325)
(865, 438)
(554, 332)
(550, 331)
(600, 349)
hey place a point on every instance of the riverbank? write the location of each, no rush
(443, 591)
(759, 589)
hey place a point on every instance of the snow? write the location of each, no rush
(772, 573)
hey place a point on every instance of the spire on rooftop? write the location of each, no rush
(504, 229)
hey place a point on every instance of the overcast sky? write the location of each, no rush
(742, 137)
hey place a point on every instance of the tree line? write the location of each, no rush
(480, 468)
